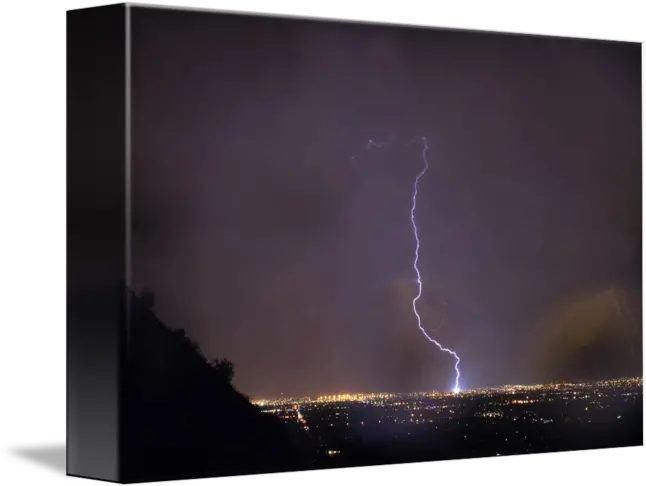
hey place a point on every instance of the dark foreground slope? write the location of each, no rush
(181, 418)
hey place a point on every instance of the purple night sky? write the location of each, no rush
(270, 246)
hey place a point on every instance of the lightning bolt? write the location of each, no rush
(623, 309)
(621, 303)
(456, 388)
(371, 143)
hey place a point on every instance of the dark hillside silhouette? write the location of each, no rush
(183, 418)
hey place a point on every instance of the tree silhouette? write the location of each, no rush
(225, 367)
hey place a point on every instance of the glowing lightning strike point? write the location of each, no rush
(456, 388)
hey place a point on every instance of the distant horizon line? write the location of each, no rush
(483, 388)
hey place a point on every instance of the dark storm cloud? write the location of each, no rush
(568, 340)
(272, 247)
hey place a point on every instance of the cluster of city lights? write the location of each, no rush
(396, 399)
(512, 410)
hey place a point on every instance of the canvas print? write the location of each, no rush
(353, 244)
